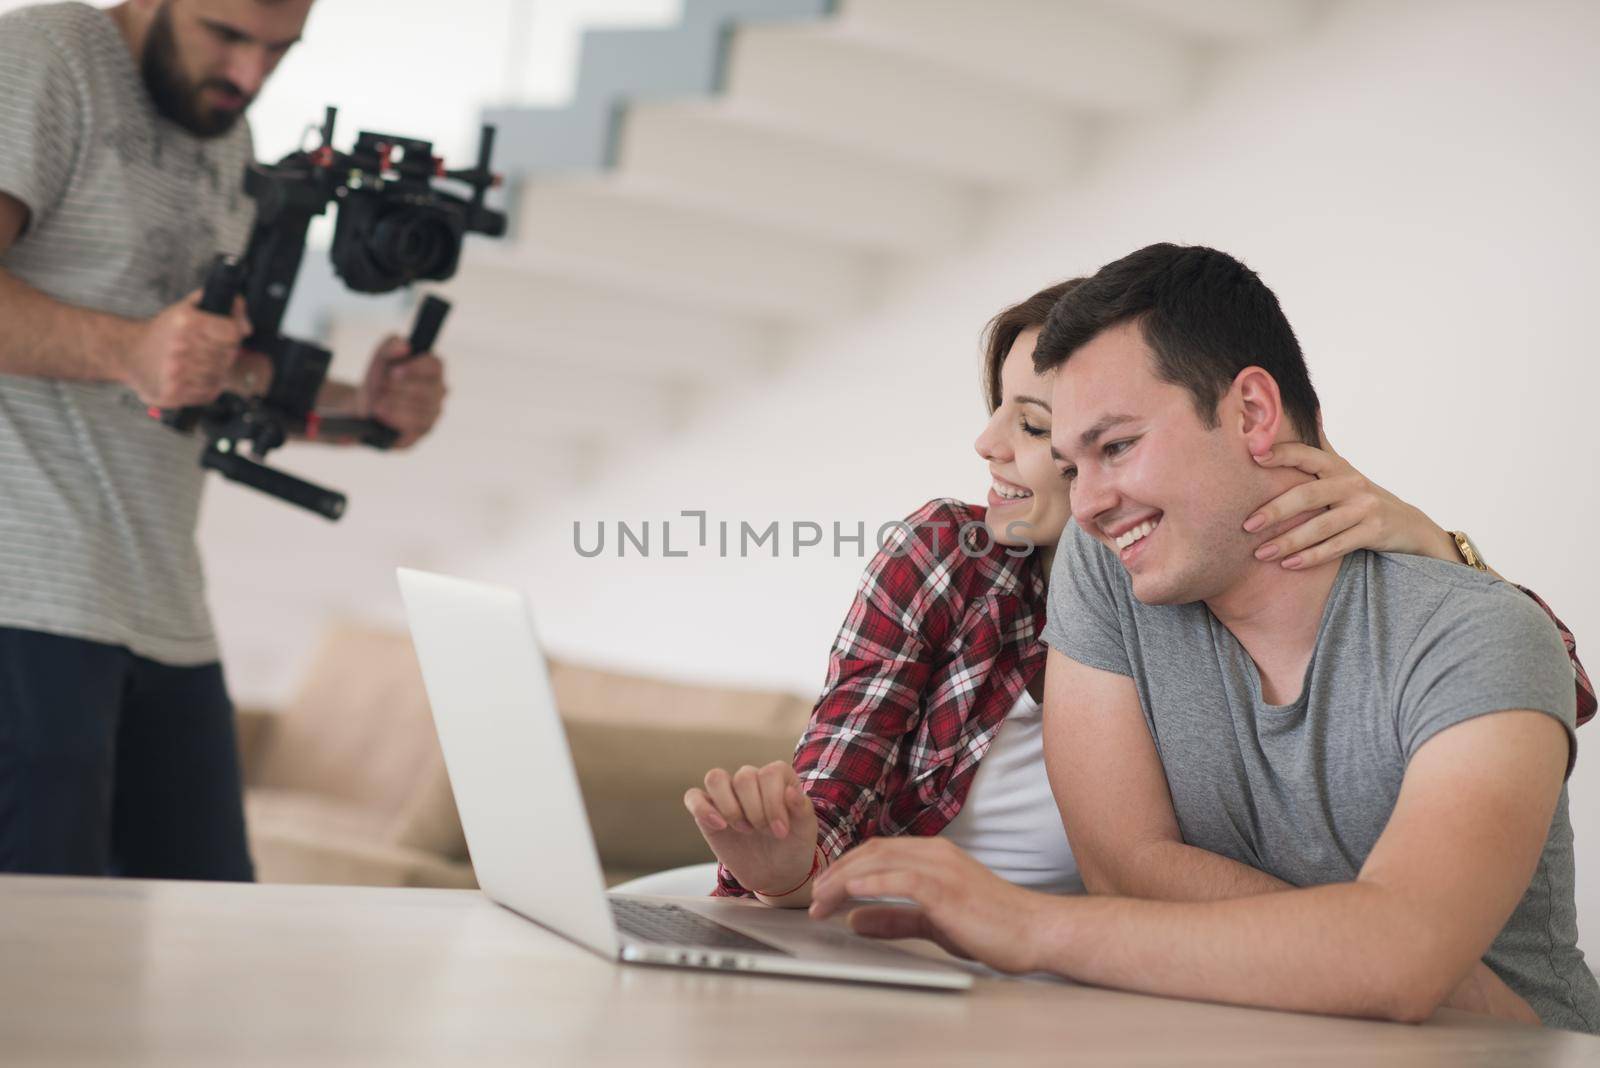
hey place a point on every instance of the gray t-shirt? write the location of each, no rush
(98, 502)
(1407, 647)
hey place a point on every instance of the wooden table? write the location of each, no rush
(167, 973)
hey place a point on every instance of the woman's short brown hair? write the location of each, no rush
(1003, 330)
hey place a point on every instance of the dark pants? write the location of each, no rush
(111, 764)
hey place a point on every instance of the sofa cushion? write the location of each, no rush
(601, 695)
(359, 729)
(429, 820)
(297, 837)
(634, 776)
(299, 810)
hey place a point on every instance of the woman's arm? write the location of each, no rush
(878, 671)
(1352, 512)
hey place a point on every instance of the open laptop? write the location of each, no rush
(529, 835)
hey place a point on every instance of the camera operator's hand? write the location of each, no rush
(402, 391)
(183, 355)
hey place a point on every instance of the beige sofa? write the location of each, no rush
(347, 784)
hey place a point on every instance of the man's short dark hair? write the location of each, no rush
(1205, 316)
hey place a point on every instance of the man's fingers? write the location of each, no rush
(876, 858)
(393, 347)
(197, 387)
(422, 369)
(407, 418)
(828, 890)
(902, 921)
(893, 882)
(418, 395)
(241, 317)
(825, 897)
(891, 921)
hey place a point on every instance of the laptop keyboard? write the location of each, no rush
(670, 925)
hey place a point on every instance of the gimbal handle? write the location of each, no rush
(221, 457)
(224, 279)
(424, 332)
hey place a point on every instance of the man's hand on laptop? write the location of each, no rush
(761, 826)
(960, 904)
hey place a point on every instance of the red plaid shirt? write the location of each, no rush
(938, 645)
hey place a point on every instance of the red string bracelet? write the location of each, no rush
(816, 862)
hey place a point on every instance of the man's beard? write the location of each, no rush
(174, 97)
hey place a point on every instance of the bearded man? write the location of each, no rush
(123, 144)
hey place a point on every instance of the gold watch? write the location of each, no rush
(1469, 552)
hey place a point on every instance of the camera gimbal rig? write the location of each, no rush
(393, 228)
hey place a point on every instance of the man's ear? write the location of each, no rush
(1258, 407)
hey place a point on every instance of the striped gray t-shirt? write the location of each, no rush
(99, 502)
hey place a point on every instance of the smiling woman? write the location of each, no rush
(1028, 502)
(929, 722)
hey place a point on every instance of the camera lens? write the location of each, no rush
(413, 243)
(386, 238)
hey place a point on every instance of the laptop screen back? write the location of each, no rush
(507, 755)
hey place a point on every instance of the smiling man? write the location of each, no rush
(1334, 789)
(123, 147)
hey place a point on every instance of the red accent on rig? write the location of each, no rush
(385, 151)
(313, 426)
(438, 166)
(322, 157)
(497, 181)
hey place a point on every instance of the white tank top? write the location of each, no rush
(1010, 822)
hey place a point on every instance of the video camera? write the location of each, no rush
(393, 228)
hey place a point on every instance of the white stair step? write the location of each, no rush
(539, 403)
(521, 315)
(844, 89)
(704, 154)
(587, 231)
(1071, 51)
(512, 391)
(1241, 21)
(522, 461)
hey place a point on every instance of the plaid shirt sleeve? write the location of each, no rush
(878, 670)
(1586, 697)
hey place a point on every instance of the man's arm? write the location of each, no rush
(182, 356)
(1112, 792)
(1471, 820)
(1465, 836)
(45, 338)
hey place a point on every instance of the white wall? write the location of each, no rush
(384, 76)
(1417, 183)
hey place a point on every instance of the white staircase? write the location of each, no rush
(761, 169)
